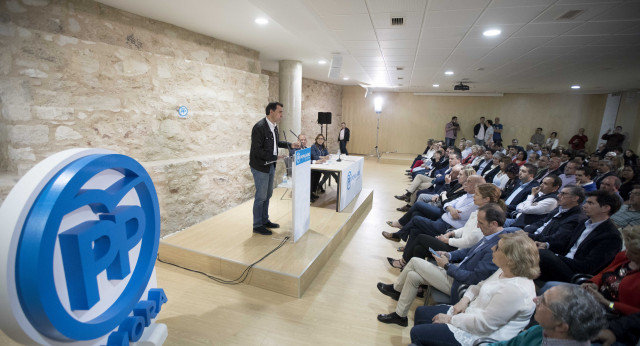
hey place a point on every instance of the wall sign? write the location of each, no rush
(79, 239)
(183, 112)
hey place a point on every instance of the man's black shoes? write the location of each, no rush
(393, 318)
(388, 290)
(270, 224)
(262, 230)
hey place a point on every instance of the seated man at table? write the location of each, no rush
(591, 246)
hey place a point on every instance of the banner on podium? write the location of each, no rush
(301, 177)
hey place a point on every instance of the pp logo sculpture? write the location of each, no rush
(79, 240)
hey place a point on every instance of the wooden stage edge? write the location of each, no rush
(224, 245)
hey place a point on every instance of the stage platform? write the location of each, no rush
(225, 245)
(397, 159)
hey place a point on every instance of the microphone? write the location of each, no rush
(288, 144)
(295, 135)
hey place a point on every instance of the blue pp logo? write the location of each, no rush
(87, 250)
(349, 181)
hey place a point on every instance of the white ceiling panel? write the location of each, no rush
(438, 44)
(399, 44)
(425, 50)
(625, 11)
(590, 10)
(361, 44)
(450, 5)
(377, 6)
(333, 7)
(399, 59)
(468, 42)
(602, 28)
(398, 51)
(615, 40)
(573, 41)
(524, 43)
(510, 15)
(545, 29)
(346, 22)
(520, 3)
(456, 32)
(436, 19)
(554, 50)
(365, 52)
(411, 20)
(377, 58)
(397, 34)
(634, 30)
(355, 35)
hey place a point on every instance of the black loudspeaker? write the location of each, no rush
(324, 118)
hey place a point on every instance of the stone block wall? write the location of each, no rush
(317, 97)
(81, 74)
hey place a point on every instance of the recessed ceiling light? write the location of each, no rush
(436, 85)
(575, 87)
(345, 78)
(262, 21)
(322, 62)
(448, 73)
(492, 32)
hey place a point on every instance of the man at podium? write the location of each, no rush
(265, 142)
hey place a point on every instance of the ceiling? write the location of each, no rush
(537, 52)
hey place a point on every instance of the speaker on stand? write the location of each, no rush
(324, 118)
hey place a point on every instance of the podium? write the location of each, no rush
(301, 186)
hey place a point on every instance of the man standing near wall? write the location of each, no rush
(343, 138)
(478, 131)
(262, 160)
(451, 132)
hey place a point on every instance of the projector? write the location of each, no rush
(461, 87)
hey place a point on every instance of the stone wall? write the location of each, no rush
(81, 74)
(316, 97)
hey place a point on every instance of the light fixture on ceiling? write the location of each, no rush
(261, 21)
(448, 73)
(345, 78)
(492, 32)
(322, 62)
(575, 87)
(436, 85)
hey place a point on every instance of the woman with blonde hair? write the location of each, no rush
(460, 238)
(498, 307)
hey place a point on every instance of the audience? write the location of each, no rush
(540, 202)
(629, 213)
(629, 179)
(498, 307)
(584, 177)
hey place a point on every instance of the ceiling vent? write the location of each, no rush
(399, 68)
(396, 21)
(336, 65)
(571, 14)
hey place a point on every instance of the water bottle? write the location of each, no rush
(285, 179)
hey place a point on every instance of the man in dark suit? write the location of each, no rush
(519, 194)
(343, 138)
(474, 264)
(262, 160)
(591, 246)
(552, 232)
(542, 200)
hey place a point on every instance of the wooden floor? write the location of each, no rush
(339, 308)
(404, 160)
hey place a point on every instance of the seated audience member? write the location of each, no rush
(545, 151)
(565, 157)
(466, 148)
(498, 307)
(617, 286)
(533, 159)
(552, 141)
(461, 238)
(483, 167)
(629, 178)
(489, 175)
(319, 154)
(543, 167)
(514, 143)
(566, 315)
(540, 202)
(475, 264)
(629, 213)
(605, 169)
(631, 159)
(423, 181)
(439, 161)
(554, 230)
(513, 182)
(521, 158)
(611, 184)
(569, 175)
(591, 246)
(578, 141)
(554, 168)
(451, 190)
(584, 177)
(520, 193)
(620, 331)
(456, 215)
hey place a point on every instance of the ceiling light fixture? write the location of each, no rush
(345, 78)
(575, 87)
(322, 62)
(492, 32)
(436, 85)
(448, 73)
(262, 21)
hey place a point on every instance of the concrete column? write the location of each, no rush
(291, 97)
(609, 116)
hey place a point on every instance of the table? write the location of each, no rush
(349, 170)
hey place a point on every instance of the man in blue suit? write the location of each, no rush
(519, 194)
(474, 265)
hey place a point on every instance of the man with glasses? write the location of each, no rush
(629, 214)
(558, 320)
(549, 231)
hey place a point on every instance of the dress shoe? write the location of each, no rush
(402, 197)
(404, 209)
(388, 290)
(270, 224)
(321, 190)
(390, 236)
(262, 230)
(393, 318)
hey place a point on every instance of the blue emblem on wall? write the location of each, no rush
(183, 111)
(112, 251)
